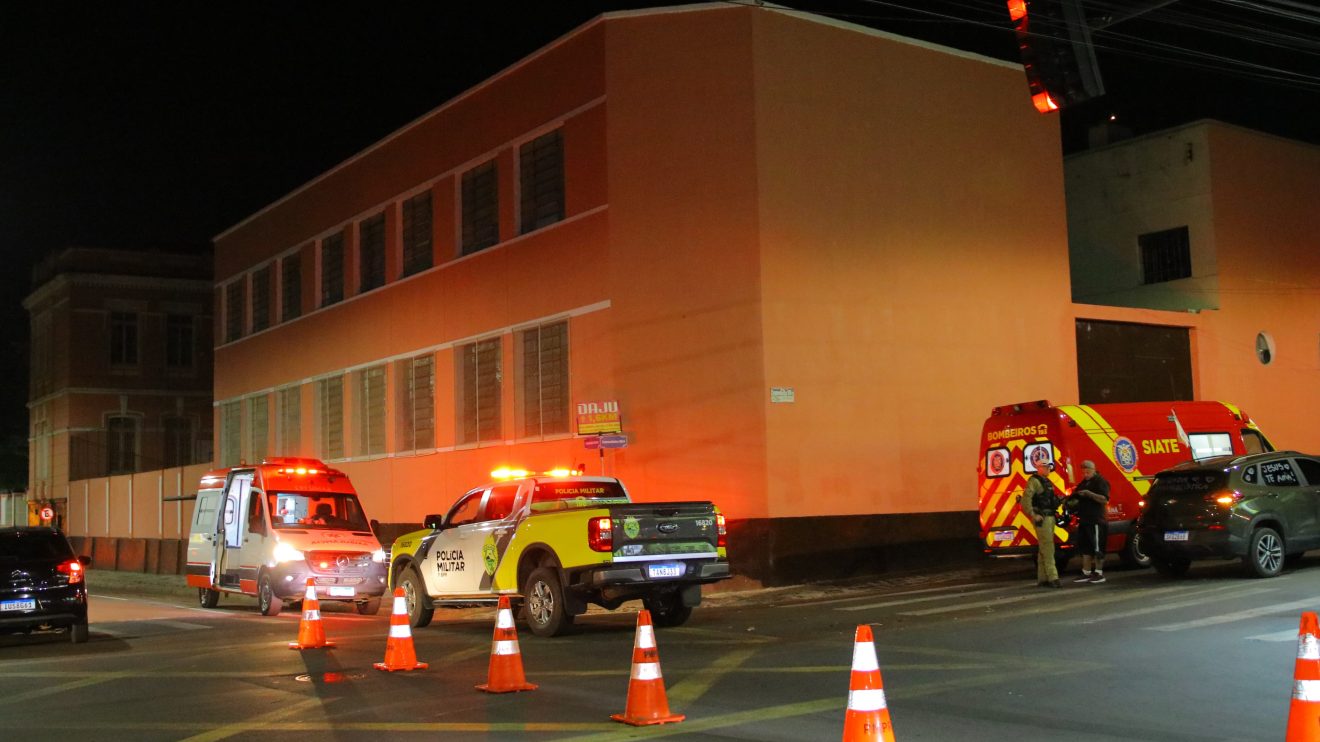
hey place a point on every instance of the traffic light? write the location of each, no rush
(1057, 54)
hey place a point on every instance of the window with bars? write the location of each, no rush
(371, 412)
(481, 208)
(543, 367)
(371, 253)
(231, 418)
(289, 432)
(416, 403)
(235, 298)
(290, 288)
(330, 417)
(332, 270)
(258, 428)
(541, 182)
(417, 234)
(261, 299)
(123, 339)
(180, 337)
(121, 444)
(1165, 255)
(177, 435)
(479, 378)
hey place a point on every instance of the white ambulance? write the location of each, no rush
(262, 530)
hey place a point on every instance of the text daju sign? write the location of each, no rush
(599, 417)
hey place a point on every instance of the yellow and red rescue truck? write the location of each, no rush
(264, 529)
(1129, 443)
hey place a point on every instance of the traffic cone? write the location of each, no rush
(867, 717)
(646, 688)
(1304, 712)
(399, 653)
(506, 670)
(311, 634)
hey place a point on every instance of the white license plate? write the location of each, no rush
(664, 570)
(1006, 535)
(341, 592)
(18, 605)
(1175, 535)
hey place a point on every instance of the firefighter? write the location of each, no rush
(1039, 502)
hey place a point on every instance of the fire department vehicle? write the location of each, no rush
(1129, 444)
(561, 541)
(262, 530)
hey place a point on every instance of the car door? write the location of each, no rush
(233, 527)
(455, 554)
(1284, 494)
(203, 535)
(1310, 469)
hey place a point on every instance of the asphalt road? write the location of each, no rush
(964, 656)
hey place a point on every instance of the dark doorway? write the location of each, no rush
(1122, 362)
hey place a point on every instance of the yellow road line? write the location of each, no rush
(261, 721)
(696, 684)
(82, 682)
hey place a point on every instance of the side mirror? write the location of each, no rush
(375, 527)
(85, 560)
(434, 521)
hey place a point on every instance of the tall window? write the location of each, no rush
(417, 233)
(231, 418)
(479, 377)
(1165, 255)
(258, 428)
(481, 208)
(371, 253)
(290, 421)
(330, 417)
(543, 366)
(179, 341)
(177, 432)
(234, 300)
(416, 406)
(541, 181)
(261, 299)
(332, 269)
(121, 444)
(123, 339)
(371, 411)
(290, 288)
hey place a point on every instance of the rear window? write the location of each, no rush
(21, 545)
(1196, 482)
(594, 493)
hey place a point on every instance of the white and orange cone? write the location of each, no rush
(867, 717)
(311, 634)
(506, 669)
(1304, 712)
(647, 703)
(399, 652)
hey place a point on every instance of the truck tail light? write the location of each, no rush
(600, 534)
(74, 569)
(721, 533)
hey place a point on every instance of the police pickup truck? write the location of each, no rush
(561, 541)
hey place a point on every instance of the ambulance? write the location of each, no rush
(262, 530)
(1129, 443)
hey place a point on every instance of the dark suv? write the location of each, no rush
(1262, 508)
(42, 583)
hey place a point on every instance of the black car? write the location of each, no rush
(1262, 508)
(42, 583)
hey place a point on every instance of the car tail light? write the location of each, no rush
(1225, 499)
(74, 569)
(721, 533)
(600, 534)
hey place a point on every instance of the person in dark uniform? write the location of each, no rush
(1039, 503)
(1092, 495)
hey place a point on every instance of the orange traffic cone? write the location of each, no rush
(867, 717)
(646, 688)
(506, 670)
(311, 634)
(1304, 713)
(399, 653)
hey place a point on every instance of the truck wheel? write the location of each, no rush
(1264, 557)
(1132, 555)
(369, 607)
(208, 598)
(269, 603)
(547, 615)
(414, 596)
(667, 609)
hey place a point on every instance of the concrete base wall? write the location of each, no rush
(151, 555)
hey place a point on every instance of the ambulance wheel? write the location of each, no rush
(78, 632)
(1133, 556)
(544, 607)
(369, 607)
(414, 596)
(208, 598)
(269, 603)
(667, 609)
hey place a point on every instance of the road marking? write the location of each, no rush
(82, 682)
(136, 628)
(979, 604)
(1206, 598)
(1223, 618)
(261, 721)
(1281, 636)
(926, 598)
(696, 684)
(946, 588)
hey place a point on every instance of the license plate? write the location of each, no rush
(1175, 535)
(1006, 535)
(340, 592)
(655, 571)
(18, 605)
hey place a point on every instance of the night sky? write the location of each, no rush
(158, 125)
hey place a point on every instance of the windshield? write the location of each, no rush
(323, 510)
(1192, 483)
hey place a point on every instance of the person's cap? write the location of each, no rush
(1088, 464)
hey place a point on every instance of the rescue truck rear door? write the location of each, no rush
(237, 496)
(202, 547)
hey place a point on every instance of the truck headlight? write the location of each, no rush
(378, 556)
(286, 553)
